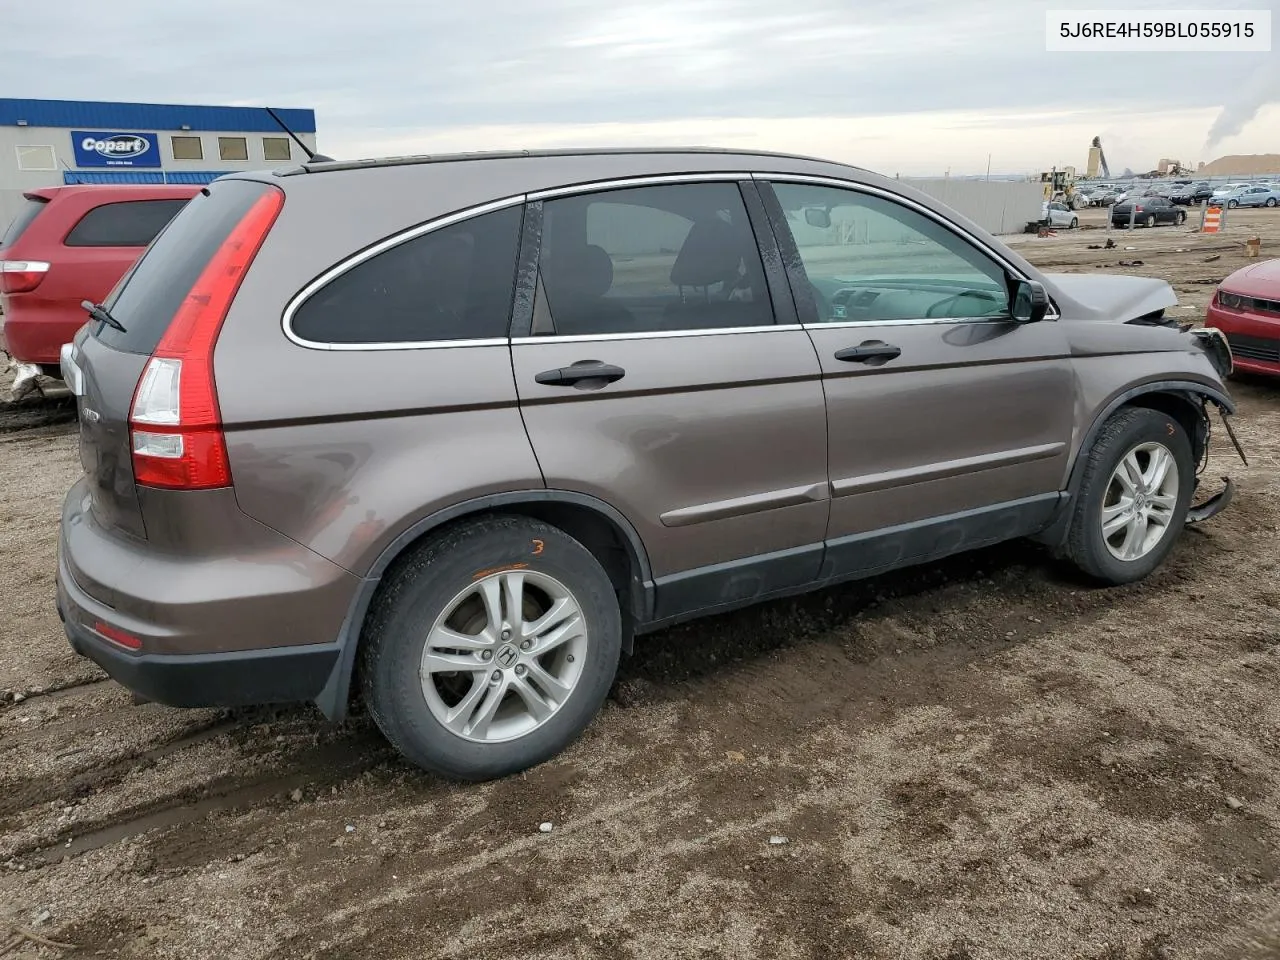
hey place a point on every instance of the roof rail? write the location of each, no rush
(329, 166)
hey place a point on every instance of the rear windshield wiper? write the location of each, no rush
(98, 312)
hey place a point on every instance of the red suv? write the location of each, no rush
(69, 244)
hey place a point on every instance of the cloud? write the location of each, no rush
(389, 69)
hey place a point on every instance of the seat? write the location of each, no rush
(576, 282)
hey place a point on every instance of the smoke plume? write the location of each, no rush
(1261, 88)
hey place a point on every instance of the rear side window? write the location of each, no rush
(149, 295)
(30, 210)
(652, 259)
(454, 283)
(130, 223)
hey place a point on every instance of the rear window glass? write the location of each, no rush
(129, 223)
(149, 295)
(454, 283)
(28, 212)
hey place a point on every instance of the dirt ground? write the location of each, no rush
(983, 759)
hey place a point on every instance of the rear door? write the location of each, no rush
(948, 423)
(661, 370)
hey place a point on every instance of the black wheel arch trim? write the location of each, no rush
(1055, 534)
(333, 699)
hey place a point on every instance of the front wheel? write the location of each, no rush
(1133, 498)
(1182, 218)
(491, 648)
(1232, 204)
(1151, 220)
(1075, 222)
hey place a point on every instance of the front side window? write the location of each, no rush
(670, 257)
(871, 259)
(454, 283)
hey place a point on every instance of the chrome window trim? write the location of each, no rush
(917, 207)
(625, 183)
(656, 334)
(299, 298)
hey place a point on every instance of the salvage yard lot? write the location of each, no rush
(983, 758)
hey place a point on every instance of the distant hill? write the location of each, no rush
(1242, 165)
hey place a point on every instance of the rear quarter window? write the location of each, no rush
(454, 283)
(26, 214)
(127, 223)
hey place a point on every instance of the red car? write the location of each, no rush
(1246, 307)
(69, 244)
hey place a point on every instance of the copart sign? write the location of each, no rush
(94, 148)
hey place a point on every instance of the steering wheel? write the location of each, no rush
(936, 310)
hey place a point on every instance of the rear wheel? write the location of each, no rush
(1133, 498)
(1151, 220)
(1271, 201)
(491, 648)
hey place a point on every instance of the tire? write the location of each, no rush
(1182, 218)
(1271, 201)
(1133, 430)
(1151, 220)
(445, 580)
(1075, 222)
(1232, 204)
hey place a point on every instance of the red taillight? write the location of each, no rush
(117, 636)
(175, 425)
(1138, 208)
(21, 276)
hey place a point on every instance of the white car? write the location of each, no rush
(1058, 214)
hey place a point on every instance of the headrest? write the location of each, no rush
(711, 253)
(579, 273)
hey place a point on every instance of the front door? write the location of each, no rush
(949, 423)
(655, 376)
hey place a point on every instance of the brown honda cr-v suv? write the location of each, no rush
(450, 431)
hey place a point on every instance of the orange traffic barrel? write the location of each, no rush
(1212, 220)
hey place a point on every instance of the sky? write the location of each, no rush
(911, 87)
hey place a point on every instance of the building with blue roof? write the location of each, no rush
(46, 143)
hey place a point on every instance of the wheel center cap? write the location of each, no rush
(507, 655)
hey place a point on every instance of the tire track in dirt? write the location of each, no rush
(338, 762)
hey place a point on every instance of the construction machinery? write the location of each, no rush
(1060, 184)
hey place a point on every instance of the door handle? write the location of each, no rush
(869, 351)
(582, 370)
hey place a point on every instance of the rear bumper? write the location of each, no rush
(241, 678)
(258, 625)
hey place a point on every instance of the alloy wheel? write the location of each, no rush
(504, 656)
(1140, 501)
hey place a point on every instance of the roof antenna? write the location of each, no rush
(312, 156)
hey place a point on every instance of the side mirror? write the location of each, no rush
(817, 217)
(1030, 302)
